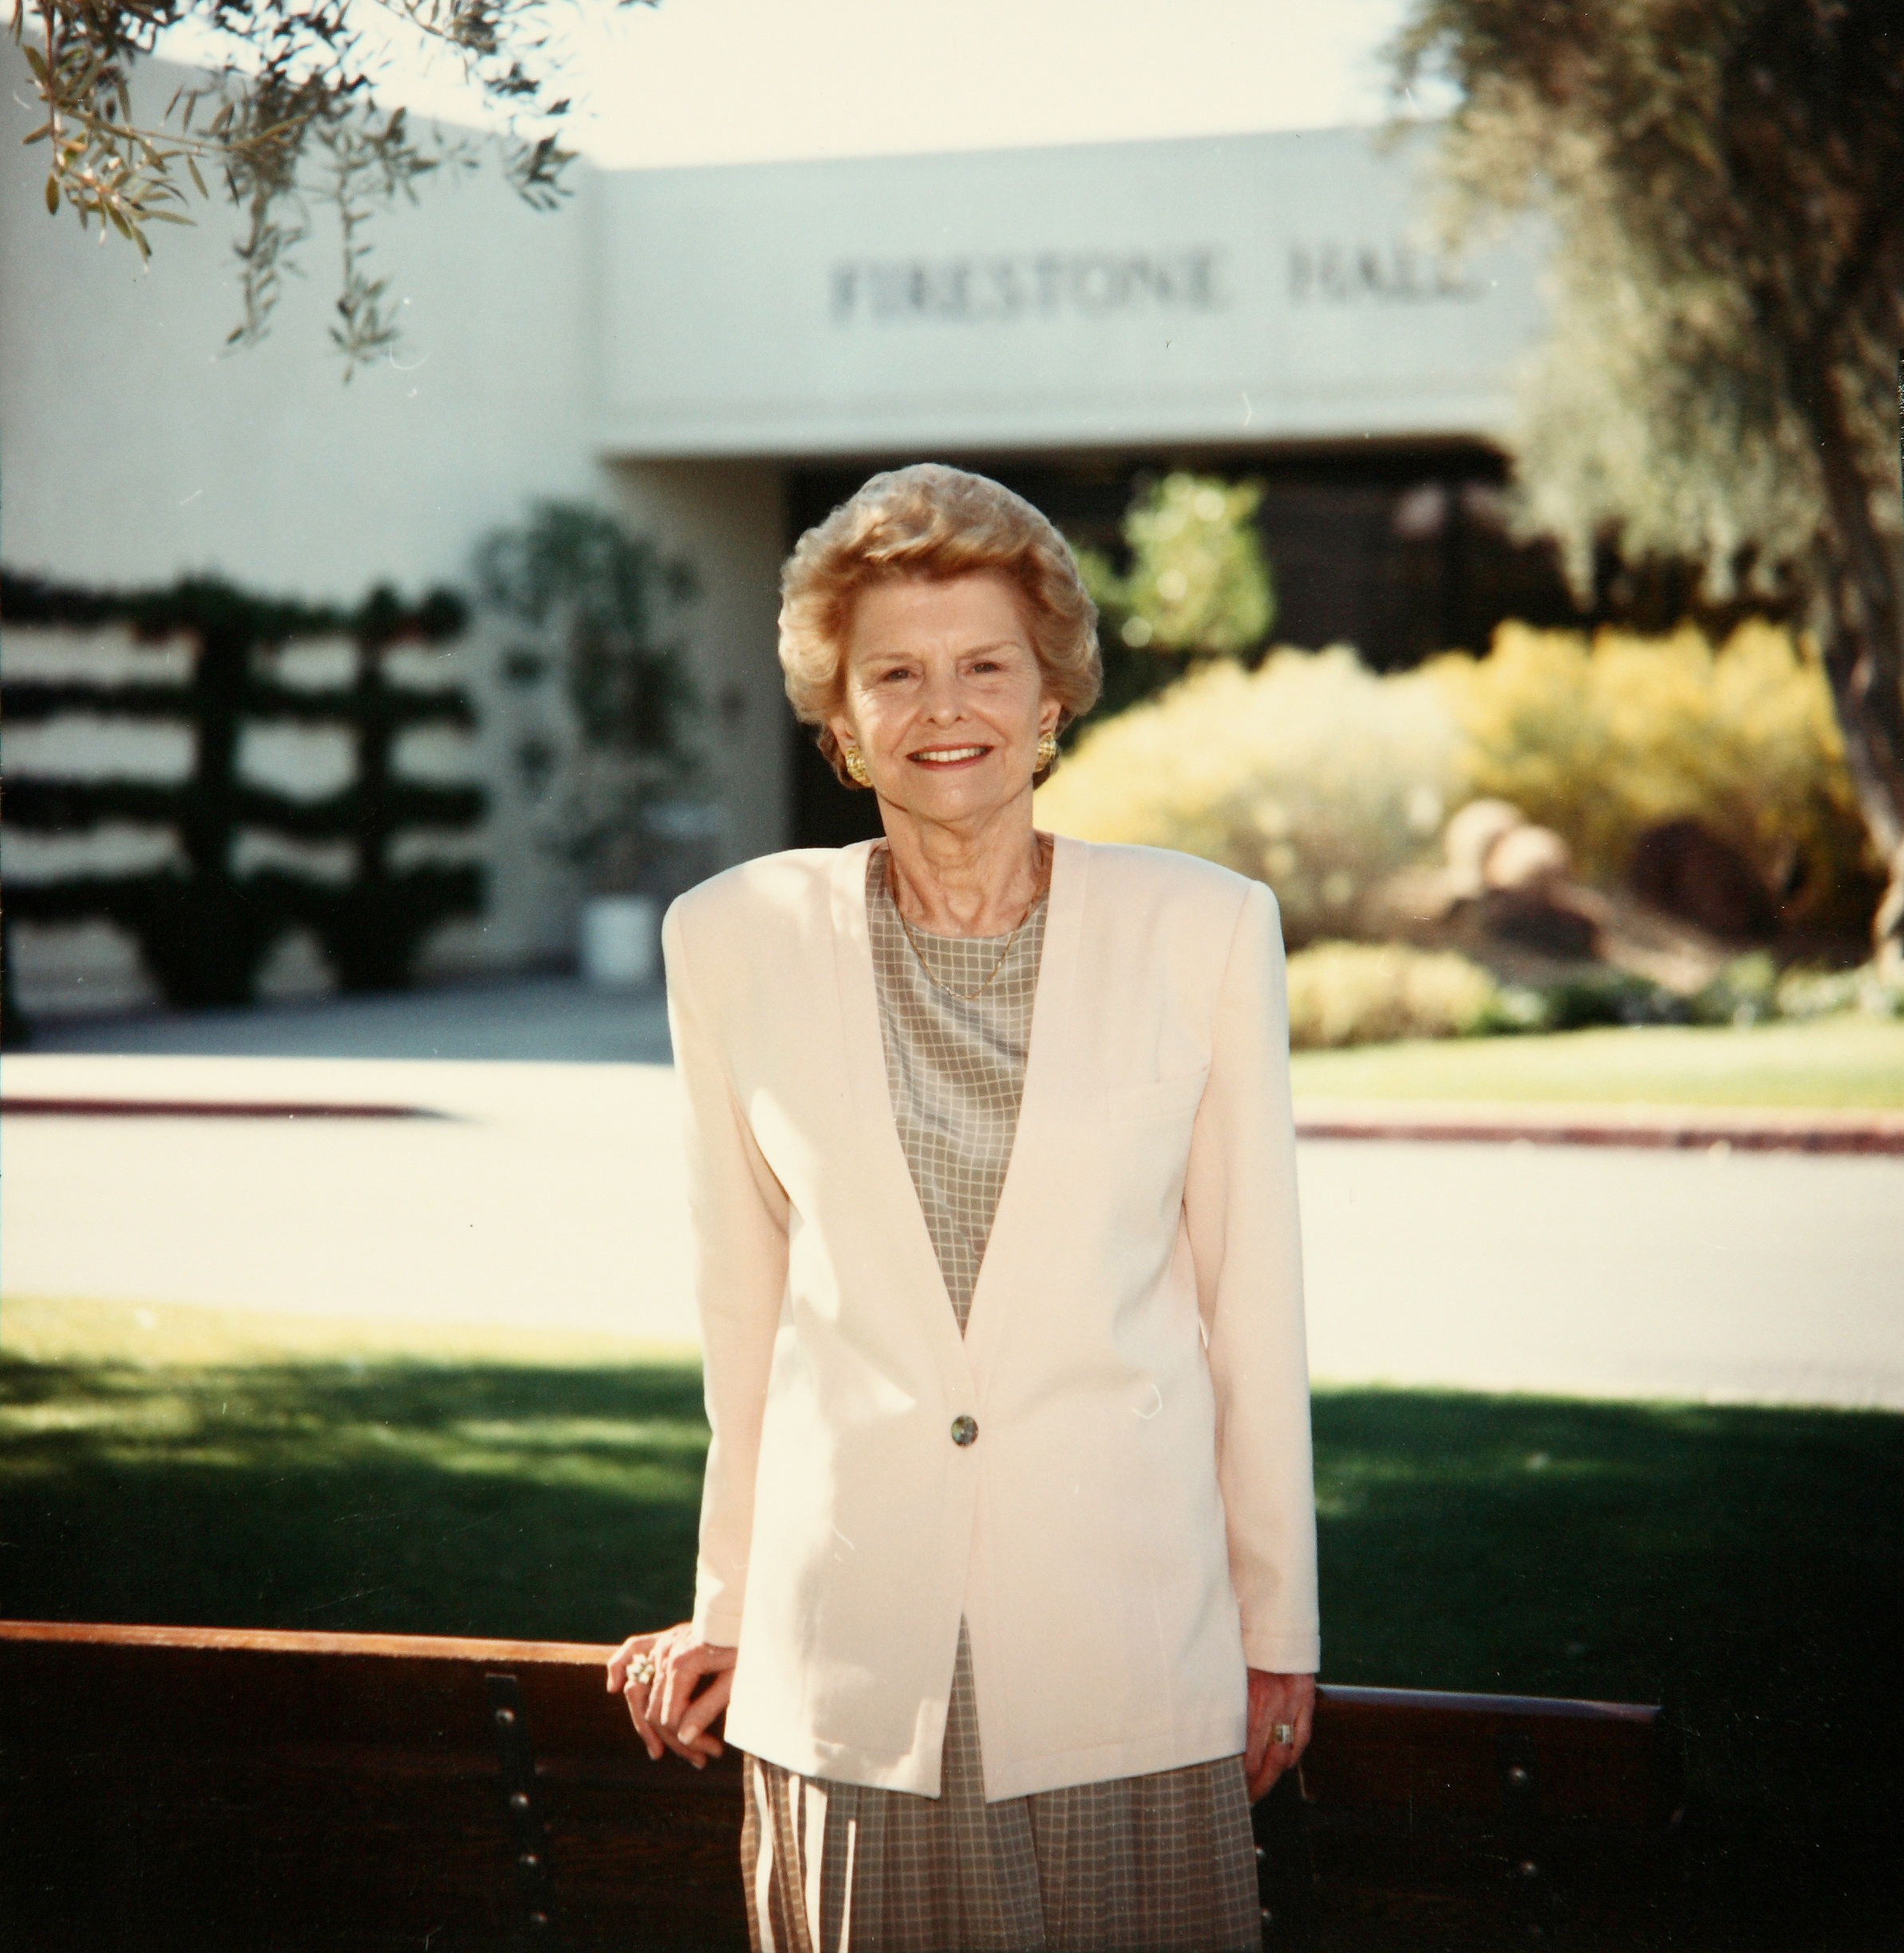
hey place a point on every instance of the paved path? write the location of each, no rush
(545, 1195)
(550, 1194)
(1769, 1277)
(529, 1018)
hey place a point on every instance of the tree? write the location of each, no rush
(610, 601)
(290, 119)
(1724, 179)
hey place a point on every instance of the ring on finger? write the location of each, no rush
(641, 1670)
(1282, 1733)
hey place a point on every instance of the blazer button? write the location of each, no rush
(964, 1430)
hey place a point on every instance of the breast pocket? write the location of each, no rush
(1155, 1098)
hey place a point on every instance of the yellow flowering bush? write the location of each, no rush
(1311, 774)
(1601, 740)
(1318, 777)
(1373, 993)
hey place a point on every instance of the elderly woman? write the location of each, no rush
(1007, 1567)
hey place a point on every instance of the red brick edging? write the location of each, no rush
(1683, 1127)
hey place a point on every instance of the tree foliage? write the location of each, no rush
(1197, 580)
(1724, 179)
(1195, 585)
(290, 119)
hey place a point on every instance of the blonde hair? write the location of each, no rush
(933, 523)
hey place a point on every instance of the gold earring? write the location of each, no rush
(1048, 750)
(856, 766)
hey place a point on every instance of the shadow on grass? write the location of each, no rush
(1744, 1566)
(407, 1499)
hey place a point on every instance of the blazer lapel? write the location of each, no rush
(890, 1190)
(1038, 1143)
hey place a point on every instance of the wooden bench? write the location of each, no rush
(205, 1788)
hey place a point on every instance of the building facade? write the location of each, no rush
(719, 354)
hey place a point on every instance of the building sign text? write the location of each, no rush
(1332, 272)
(1007, 285)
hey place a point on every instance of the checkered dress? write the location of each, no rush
(1141, 1864)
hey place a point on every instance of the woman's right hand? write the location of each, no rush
(666, 1699)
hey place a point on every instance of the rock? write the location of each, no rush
(1471, 835)
(1682, 867)
(1528, 858)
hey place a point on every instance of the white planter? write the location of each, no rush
(621, 941)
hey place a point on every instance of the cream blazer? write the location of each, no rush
(1134, 1520)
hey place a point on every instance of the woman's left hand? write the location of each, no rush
(1277, 1698)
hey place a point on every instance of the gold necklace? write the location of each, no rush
(964, 996)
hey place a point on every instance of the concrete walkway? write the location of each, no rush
(549, 1018)
(546, 1192)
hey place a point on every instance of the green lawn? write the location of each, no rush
(205, 1466)
(1746, 1566)
(1848, 1061)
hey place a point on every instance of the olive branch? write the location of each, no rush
(296, 122)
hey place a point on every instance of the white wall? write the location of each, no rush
(1246, 288)
(134, 446)
(726, 518)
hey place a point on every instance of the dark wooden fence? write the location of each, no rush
(208, 1789)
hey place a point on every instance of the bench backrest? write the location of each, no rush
(205, 1787)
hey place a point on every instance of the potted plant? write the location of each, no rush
(608, 602)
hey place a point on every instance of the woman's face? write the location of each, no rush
(944, 696)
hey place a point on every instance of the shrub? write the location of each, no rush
(1822, 993)
(1605, 997)
(204, 927)
(1373, 993)
(1311, 774)
(1367, 993)
(1321, 778)
(1601, 741)
(1745, 992)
